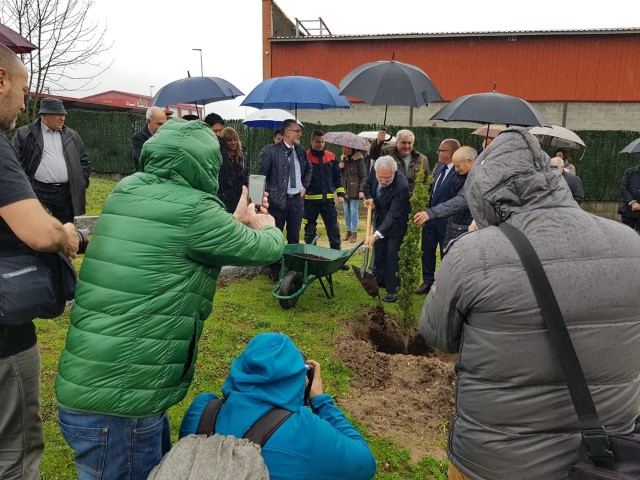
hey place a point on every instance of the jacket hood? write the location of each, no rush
(270, 370)
(187, 153)
(512, 175)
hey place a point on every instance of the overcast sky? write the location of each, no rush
(153, 41)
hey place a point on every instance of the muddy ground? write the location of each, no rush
(407, 398)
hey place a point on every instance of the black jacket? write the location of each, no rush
(137, 141)
(392, 208)
(29, 144)
(274, 166)
(629, 191)
(325, 177)
(231, 179)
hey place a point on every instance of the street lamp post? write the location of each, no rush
(151, 90)
(201, 71)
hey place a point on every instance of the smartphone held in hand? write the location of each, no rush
(257, 184)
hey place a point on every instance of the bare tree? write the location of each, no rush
(69, 44)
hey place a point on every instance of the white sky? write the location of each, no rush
(153, 41)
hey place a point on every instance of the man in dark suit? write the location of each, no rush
(629, 208)
(155, 119)
(574, 182)
(443, 188)
(388, 190)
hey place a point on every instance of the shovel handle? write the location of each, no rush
(368, 230)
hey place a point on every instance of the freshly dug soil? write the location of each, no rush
(407, 398)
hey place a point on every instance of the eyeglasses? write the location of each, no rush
(439, 151)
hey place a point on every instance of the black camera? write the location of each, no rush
(83, 237)
(307, 390)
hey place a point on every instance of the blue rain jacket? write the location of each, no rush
(318, 444)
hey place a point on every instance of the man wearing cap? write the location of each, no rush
(54, 158)
(156, 117)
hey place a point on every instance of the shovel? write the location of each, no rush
(364, 276)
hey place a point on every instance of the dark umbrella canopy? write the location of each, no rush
(390, 83)
(492, 107)
(295, 92)
(633, 147)
(201, 90)
(14, 41)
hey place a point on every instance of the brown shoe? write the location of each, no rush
(347, 235)
(423, 289)
(353, 236)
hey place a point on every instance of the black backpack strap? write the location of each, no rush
(207, 423)
(593, 433)
(260, 432)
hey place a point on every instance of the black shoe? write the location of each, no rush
(423, 289)
(344, 266)
(391, 297)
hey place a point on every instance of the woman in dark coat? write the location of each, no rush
(233, 174)
(354, 175)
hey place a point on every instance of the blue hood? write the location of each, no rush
(271, 370)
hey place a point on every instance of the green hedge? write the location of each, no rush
(107, 136)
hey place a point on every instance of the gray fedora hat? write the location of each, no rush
(52, 106)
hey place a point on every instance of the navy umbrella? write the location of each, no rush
(294, 92)
(633, 147)
(196, 90)
(491, 108)
(390, 83)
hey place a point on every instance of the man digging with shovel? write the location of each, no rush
(388, 191)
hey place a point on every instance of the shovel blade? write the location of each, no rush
(367, 280)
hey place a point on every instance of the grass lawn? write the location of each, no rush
(241, 310)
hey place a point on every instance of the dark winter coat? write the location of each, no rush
(354, 175)
(275, 166)
(418, 161)
(29, 144)
(514, 416)
(629, 191)
(325, 177)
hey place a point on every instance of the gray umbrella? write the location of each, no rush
(491, 108)
(390, 83)
(633, 147)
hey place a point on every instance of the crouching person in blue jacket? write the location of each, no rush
(316, 443)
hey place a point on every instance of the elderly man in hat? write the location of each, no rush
(54, 158)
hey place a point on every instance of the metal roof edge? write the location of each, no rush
(386, 36)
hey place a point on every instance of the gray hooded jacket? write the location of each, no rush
(514, 416)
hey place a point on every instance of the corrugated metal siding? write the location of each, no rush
(587, 68)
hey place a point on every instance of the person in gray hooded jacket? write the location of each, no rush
(514, 416)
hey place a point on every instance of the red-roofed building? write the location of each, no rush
(142, 102)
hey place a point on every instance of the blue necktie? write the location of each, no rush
(440, 179)
(378, 192)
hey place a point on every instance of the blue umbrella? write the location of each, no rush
(293, 92)
(196, 90)
(268, 118)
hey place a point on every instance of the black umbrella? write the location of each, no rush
(491, 108)
(196, 90)
(390, 83)
(633, 147)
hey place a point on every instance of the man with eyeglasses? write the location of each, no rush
(156, 117)
(288, 172)
(443, 188)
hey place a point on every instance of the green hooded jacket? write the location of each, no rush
(149, 275)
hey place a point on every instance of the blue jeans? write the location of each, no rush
(115, 448)
(351, 214)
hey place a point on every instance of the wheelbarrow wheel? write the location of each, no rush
(291, 283)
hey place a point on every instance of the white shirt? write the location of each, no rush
(52, 168)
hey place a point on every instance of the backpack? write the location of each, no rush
(209, 455)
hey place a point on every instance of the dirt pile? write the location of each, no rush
(407, 398)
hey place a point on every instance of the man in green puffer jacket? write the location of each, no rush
(145, 288)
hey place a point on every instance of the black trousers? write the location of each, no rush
(327, 210)
(632, 222)
(56, 198)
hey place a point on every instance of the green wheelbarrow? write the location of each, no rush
(302, 264)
